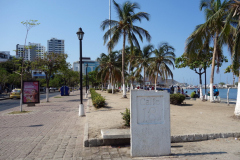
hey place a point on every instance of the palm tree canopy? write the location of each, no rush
(144, 57)
(215, 27)
(164, 57)
(126, 17)
(109, 65)
(233, 17)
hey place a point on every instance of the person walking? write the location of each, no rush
(178, 89)
(172, 90)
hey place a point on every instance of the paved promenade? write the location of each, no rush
(54, 131)
(50, 131)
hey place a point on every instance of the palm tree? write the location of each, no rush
(132, 54)
(110, 66)
(124, 27)
(233, 11)
(132, 77)
(211, 30)
(164, 56)
(144, 60)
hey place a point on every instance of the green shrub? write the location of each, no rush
(99, 102)
(176, 98)
(110, 91)
(126, 117)
(97, 99)
(192, 95)
(116, 90)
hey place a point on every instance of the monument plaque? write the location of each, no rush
(150, 123)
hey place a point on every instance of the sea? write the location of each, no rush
(222, 92)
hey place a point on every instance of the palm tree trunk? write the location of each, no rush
(200, 87)
(156, 82)
(237, 107)
(102, 85)
(123, 63)
(233, 80)
(213, 66)
(144, 78)
(112, 83)
(47, 88)
(21, 90)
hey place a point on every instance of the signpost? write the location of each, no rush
(150, 123)
(30, 93)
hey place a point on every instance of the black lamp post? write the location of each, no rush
(86, 78)
(80, 34)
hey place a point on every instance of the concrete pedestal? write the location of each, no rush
(150, 123)
(81, 110)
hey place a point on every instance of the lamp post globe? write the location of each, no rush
(80, 35)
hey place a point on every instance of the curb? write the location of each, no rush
(85, 136)
(202, 137)
(4, 98)
(94, 142)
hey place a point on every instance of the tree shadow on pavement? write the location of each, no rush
(39, 125)
(185, 105)
(178, 146)
(195, 154)
(76, 100)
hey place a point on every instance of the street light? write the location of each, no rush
(86, 80)
(80, 34)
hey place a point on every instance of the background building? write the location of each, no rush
(85, 60)
(33, 51)
(5, 55)
(55, 45)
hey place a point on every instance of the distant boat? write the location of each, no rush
(191, 87)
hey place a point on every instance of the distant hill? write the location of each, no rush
(166, 82)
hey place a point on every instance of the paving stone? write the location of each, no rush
(190, 138)
(211, 136)
(237, 134)
(106, 156)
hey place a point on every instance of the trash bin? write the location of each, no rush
(64, 91)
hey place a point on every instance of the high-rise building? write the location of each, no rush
(32, 51)
(85, 60)
(5, 55)
(55, 45)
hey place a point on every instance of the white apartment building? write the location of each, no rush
(55, 45)
(4, 56)
(32, 51)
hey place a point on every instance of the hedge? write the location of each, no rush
(176, 98)
(97, 99)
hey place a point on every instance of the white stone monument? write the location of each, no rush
(150, 123)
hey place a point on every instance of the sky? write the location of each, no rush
(170, 21)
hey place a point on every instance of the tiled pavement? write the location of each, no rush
(55, 131)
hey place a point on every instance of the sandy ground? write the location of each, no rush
(190, 118)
